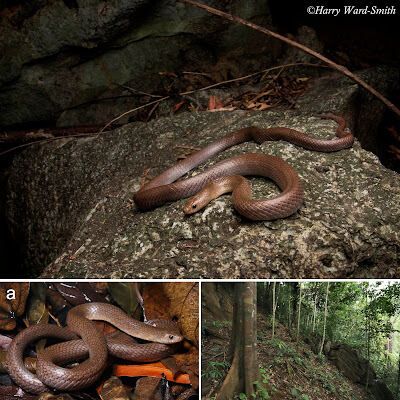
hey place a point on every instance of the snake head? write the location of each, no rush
(197, 202)
(171, 338)
(168, 336)
(168, 331)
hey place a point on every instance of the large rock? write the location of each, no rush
(70, 204)
(358, 369)
(351, 364)
(380, 390)
(71, 56)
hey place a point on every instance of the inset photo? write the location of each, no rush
(99, 340)
(301, 340)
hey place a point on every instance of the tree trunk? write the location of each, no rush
(273, 308)
(299, 312)
(325, 315)
(290, 313)
(314, 313)
(398, 378)
(244, 368)
(368, 330)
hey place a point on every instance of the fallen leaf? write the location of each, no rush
(50, 396)
(187, 362)
(79, 292)
(184, 306)
(178, 301)
(113, 389)
(257, 105)
(214, 103)
(148, 389)
(175, 301)
(37, 310)
(178, 106)
(124, 294)
(11, 392)
(223, 109)
(10, 308)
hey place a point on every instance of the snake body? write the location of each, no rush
(92, 343)
(213, 182)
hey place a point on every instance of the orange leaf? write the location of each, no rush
(179, 105)
(156, 370)
(214, 103)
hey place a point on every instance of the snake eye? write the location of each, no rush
(194, 206)
(171, 337)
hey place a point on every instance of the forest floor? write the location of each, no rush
(292, 371)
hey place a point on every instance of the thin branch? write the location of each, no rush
(208, 87)
(135, 91)
(42, 141)
(130, 112)
(299, 46)
(241, 78)
(197, 73)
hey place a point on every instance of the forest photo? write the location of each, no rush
(301, 340)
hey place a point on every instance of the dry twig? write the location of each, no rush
(299, 46)
(208, 87)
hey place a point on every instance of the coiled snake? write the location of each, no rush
(226, 176)
(92, 343)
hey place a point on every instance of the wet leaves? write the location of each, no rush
(41, 303)
(14, 393)
(37, 310)
(113, 389)
(50, 396)
(177, 301)
(80, 292)
(125, 295)
(214, 103)
(13, 298)
(148, 389)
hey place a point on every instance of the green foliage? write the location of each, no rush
(278, 344)
(220, 324)
(260, 388)
(285, 351)
(364, 315)
(261, 391)
(215, 370)
(297, 394)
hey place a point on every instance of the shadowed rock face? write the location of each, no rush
(70, 207)
(358, 370)
(71, 56)
(351, 364)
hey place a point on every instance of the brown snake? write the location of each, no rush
(92, 342)
(225, 176)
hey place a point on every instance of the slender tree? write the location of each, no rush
(325, 316)
(398, 378)
(315, 311)
(289, 312)
(299, 311)
(273, 308)
(244, 368)
(368, 333)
